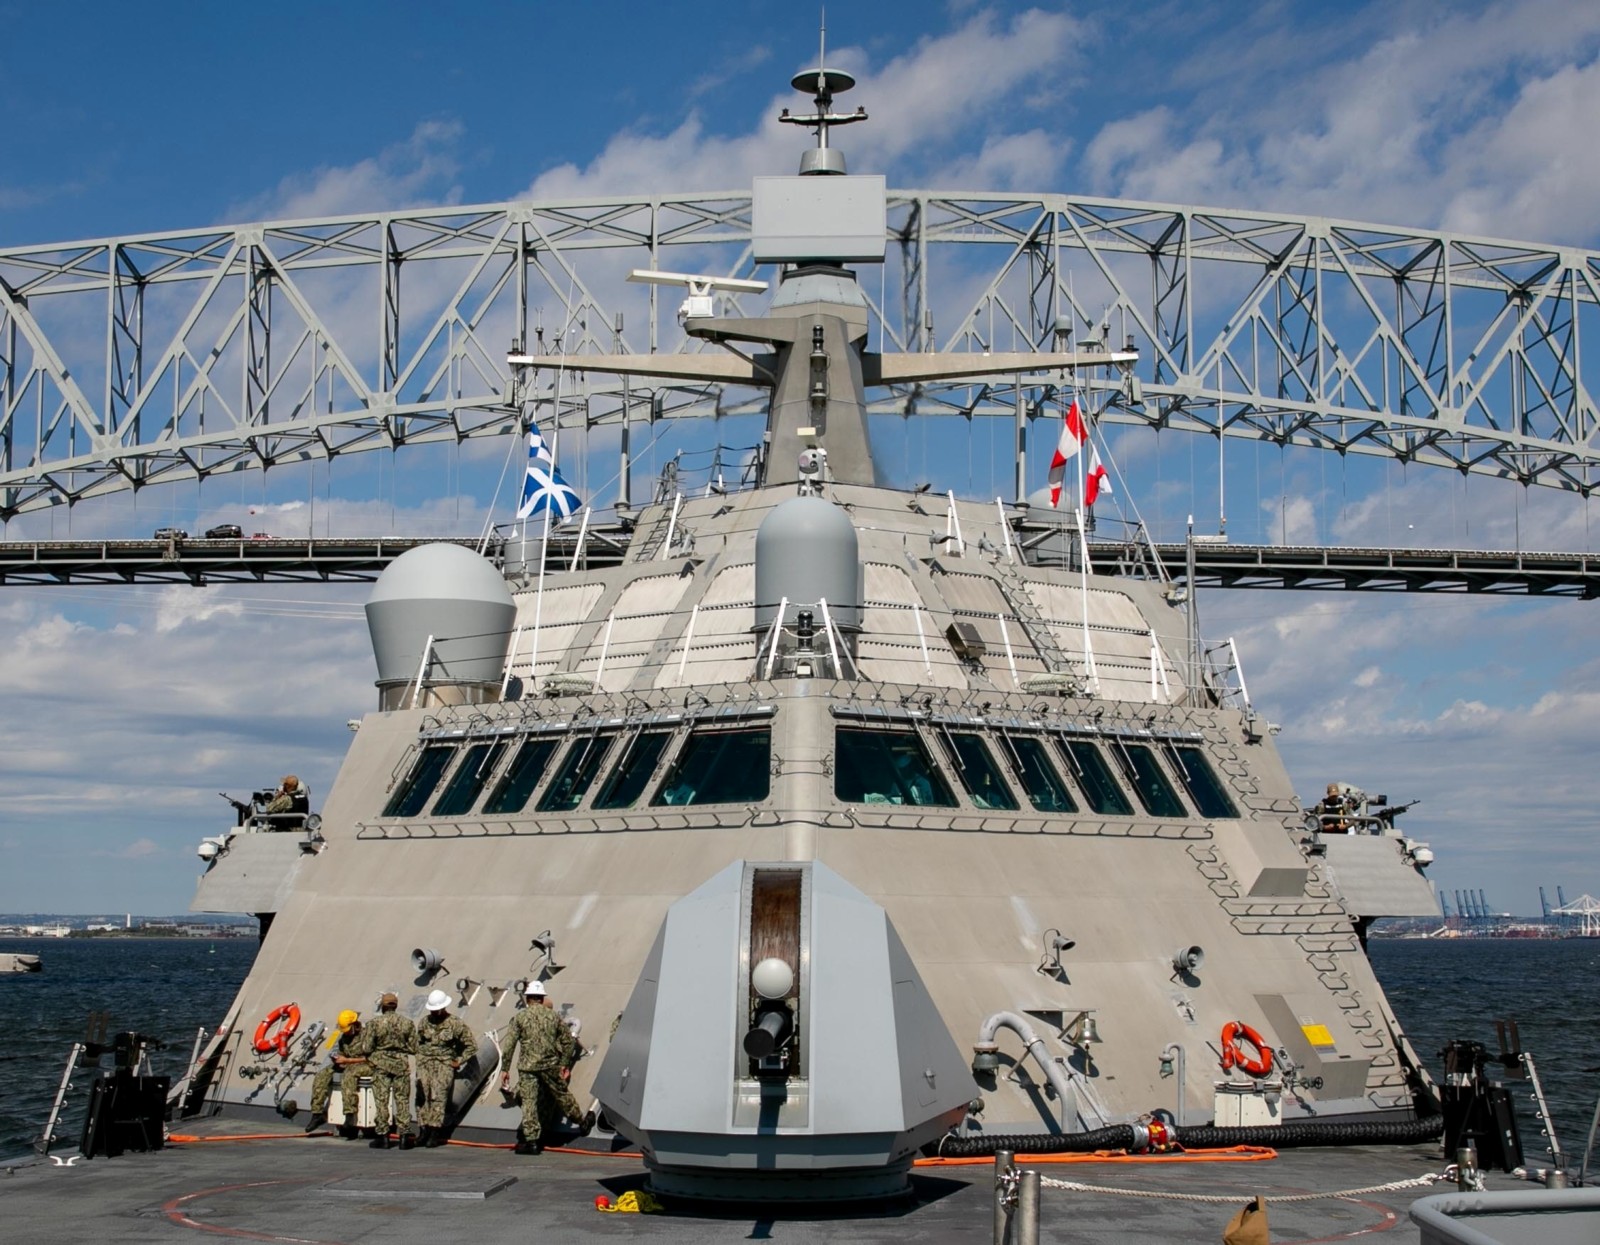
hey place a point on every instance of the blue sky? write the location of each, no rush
(127, 709)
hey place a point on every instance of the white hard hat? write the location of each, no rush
(534, 990)
(438, 1001)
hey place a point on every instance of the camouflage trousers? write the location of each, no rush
(434, 1080)
(349, 1089)
(386, 1086)
(543, 1096)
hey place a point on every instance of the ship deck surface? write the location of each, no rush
(321, 1189)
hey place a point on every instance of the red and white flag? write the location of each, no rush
(1097, 481)
(1072, 439)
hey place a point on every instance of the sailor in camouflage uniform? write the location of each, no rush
(444, 1043)
(548, 1052)
(345, 1060)
(389, 1039)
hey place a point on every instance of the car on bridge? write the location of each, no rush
(173, 534)
(225, 531)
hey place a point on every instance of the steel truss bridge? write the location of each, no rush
(1217, 565)
(158, 358)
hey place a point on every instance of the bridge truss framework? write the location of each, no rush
(157, 358)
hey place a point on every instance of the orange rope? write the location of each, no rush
(1231, 1154)
(180, 1139)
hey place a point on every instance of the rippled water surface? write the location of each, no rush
(168, 988)
(165, 988)
(1456, 989)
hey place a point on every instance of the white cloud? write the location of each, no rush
(1468, 118)
(420, 170)
(179, 605)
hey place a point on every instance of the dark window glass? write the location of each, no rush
(886, 767)
(577, 771)
(720, 767)
(1201, 781)
(1032, 763)
(1090, 771)
(976, 770)
(413, 793)
(521, 777)
(1149, 783)
(465, 785)
(628, 777)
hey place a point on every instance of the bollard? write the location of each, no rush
(1555, 1178)
(1004, 1191)
(1028, 1207)
(1467, 1167)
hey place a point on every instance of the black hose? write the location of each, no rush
(1279, 1136)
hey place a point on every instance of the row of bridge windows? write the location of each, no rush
(1055, 773)
(714, 767)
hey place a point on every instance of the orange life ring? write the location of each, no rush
(1232, 1056)
(266, 1041)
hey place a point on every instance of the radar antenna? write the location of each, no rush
(822, 84)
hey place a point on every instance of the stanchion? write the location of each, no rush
(1028, 1207)
(1005, 1195)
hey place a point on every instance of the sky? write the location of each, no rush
(127, 709)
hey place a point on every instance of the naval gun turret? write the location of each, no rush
(781, 1043)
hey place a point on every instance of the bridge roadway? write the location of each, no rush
(343, 559)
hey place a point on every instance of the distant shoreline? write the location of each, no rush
(101, 937)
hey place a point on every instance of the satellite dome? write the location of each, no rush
(454, 595)
(806, 552)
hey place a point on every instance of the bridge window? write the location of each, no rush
(413, 792)
(1144, 774)
(720, 767)
(521, 776)
(466, 784)
(578, 768)
(1093, 776)
(628, 776)
(886, 767)
(976, 770)
(1210, 797)
(1031, 764)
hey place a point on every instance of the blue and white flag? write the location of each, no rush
(543, 488)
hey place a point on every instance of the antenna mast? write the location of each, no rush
(822, 84)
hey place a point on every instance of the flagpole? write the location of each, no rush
(538, 600)
(1083, 582)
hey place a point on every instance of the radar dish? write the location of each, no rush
(824, 82)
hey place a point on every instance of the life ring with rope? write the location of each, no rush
(266, 1041)
(1233, 1057)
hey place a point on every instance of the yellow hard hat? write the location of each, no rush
(348, 1018)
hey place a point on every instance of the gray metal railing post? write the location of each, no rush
(1005, 1174)
(1028, 1207)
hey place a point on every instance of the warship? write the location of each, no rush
(843, 821)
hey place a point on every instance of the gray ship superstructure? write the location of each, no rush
(868, 815)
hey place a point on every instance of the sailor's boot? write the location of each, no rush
(317, 1120)
(407, 1140)
(348, 1129)
(380, 1142)
(434, 1138)
(425, 1137)
(586, 1124)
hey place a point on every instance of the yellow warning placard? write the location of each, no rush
(1318, 1036)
